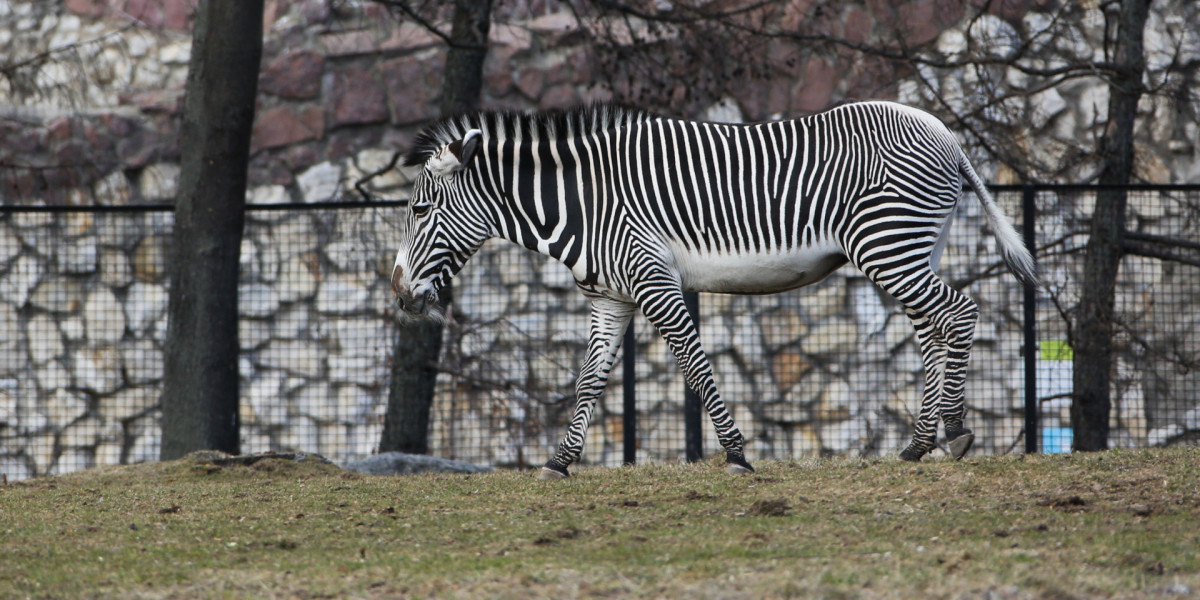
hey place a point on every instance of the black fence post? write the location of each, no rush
(629, 401)
(1029, 218)
(692, 436)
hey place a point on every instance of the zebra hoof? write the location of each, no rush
(735, 464)
(738, 469)
(961, 444)
(550, 474)
(911, 454)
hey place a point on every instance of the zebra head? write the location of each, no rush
(444, 226)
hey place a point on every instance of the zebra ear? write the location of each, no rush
(466, 148)
(456, 155)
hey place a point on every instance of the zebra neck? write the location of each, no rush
(541, 196)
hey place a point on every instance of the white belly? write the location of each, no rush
(757, 273)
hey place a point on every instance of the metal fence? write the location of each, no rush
(831, 369)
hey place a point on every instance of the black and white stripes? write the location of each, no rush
(642, 207)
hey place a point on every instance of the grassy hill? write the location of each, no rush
(1118, 524)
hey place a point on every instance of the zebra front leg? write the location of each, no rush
(662, 303)
(607, 322)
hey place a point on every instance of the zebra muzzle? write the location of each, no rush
(413, 304)
(406, 300)
(398, 284)
(419, 305)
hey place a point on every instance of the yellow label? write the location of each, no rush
(1056, 350)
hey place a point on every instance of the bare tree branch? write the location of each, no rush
(1149, 238)
(1150, 251)
(10, 69)
(414, 14)
(360, 185)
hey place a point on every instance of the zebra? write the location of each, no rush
(642, 207)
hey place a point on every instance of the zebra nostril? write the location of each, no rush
(400, 302)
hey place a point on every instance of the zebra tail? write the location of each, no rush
(1012, 247)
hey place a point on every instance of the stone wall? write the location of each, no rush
(343, 86)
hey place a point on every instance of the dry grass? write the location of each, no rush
(1117, 524)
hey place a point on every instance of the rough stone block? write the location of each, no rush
(115, 271)
(108, 453)
(301, 358)
(52, 375)
(360, 370)
(264, 398)
(103, 317)
(530, 83)
(257, 300)
(59, 294)
(833, 338)
(98, 370)
(354, 404)
(412, 88)
(64, 407)
(253, 333)
(159, 182)
(129, 403)
(10, 244)
(320, 183)
(22, 277)
(316, 401)
(297, 278)
(349, 43)
(342, 293)
(358, 97)
(296, 75)
(285, 125)
(45, 339)
(145, 304)
(88, 432)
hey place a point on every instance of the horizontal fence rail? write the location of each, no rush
(827, 370)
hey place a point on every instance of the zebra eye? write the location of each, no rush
(421, 209)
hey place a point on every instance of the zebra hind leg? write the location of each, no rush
(959, 332)
(945, 324)
(944, 320)
(933, 353)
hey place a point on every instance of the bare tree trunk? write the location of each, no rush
(1093, 365)
(462, 78)
(200, 391)
(414, 367)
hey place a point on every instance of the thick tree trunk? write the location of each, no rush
(1093, 365)
(200, 390)
(462, 78)
(414, 367)
(414, 379)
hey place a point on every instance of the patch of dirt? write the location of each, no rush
(777, 507)
(1070, 503)
(284, 464)
(566, 533)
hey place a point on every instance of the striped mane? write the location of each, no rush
(547, 125)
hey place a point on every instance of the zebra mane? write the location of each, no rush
(546, 125)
